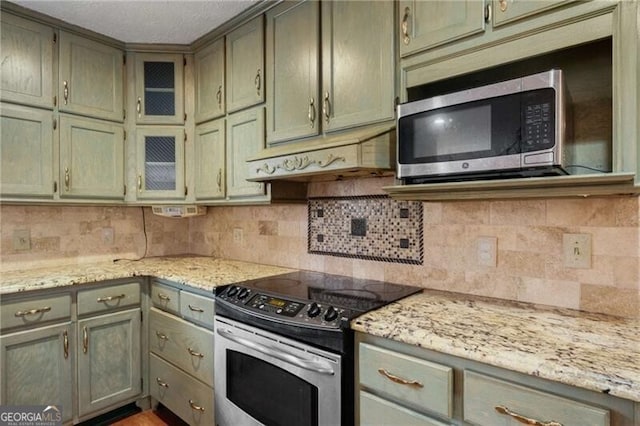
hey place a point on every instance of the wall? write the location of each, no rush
(529, 265)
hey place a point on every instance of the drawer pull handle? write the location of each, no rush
(161, 383)
(33, 311)
(65, 344)
(194, 406)
(110, 298)
(195, 308)
(522, 419)
(161, 336)
(194, 353)
(399, 380)
(163, 297)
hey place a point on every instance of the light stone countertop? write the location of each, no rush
(591, 351)
(204, 273)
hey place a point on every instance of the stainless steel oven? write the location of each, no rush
(263, 378)
(284, 348)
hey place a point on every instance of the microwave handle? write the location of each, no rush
(315, 366)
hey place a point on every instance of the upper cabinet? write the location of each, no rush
(358, 63)
(293, 63)
(245, 65)
(26, 62)
(90, 78)
(159, 88)
(356, 85)
(506, 11)
(245, 137)
(209, 81)
(425, 25)
(160, 161)
(210, 160)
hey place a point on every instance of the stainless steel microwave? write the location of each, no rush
(512, 128)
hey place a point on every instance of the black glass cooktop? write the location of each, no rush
(360, 295)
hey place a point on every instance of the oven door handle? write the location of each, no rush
(315, 366)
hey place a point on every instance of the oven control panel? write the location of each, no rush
(310, 313)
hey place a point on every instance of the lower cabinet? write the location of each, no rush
(36, 368)
(109, 360)
(397, 383)
(181, 352)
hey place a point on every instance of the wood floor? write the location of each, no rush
(159, 417)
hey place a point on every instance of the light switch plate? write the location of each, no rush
(487, 251)
(577, 250)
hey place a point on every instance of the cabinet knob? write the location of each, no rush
(503, 5)
(65, 92)
(67, 179)
(258, 82)
(326, 107)
(219, 96)
(139, 183)
(65, 343)
(85, 340)
(194, 406)
(139, 106)
(219, 180)
(405, 26)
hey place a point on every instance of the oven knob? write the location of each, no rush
(314, 310)
(233, 291)
(243, 293)
(331, 314)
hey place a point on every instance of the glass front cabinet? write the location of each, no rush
(159, 88)
(160, 154)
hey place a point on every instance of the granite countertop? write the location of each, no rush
(591, 351)
(203, 273)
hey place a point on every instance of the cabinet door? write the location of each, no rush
(427, 24)
(293, 38)
(109, 360)
(36, 368)
(26, 151)
(209, 78)
(210, 160)
(245, 137)
(505, 11)
(159, 88)
(245, 65)
(90, 78)
(27, 62)
(160, 163)
(358, 78)
(91, 158)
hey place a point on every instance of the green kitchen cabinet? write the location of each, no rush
(160, 163)
(245, 65)
(109, 360)
(36, 368)
(293, 71)
(159, 88)
(358, 63)
(424, 25)
(26, 62)
(26, 152)
(210, 169)
(245, 137)
(91, 158)
(90, 78)
(209, 82)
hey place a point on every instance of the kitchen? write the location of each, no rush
(528, 231)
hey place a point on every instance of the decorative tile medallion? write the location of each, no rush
(372, 227)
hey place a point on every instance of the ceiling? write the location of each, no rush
(143, 21)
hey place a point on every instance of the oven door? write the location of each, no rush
(264, 378)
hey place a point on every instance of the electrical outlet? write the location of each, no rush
(487, 251)
(21, 240)
(577, 250)
(237, 236)
(108, 235)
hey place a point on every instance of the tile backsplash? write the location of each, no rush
(528, 233)
(366, 227)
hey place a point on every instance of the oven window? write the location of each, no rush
(270, 394)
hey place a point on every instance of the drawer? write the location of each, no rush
(486, 400)
(408, 380)
(35, 311)
(165, 297)
(376, 411)
(178, 391)
(197, 308)
(104, 299)
(184, 344)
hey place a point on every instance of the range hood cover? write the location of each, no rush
(364, 150)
